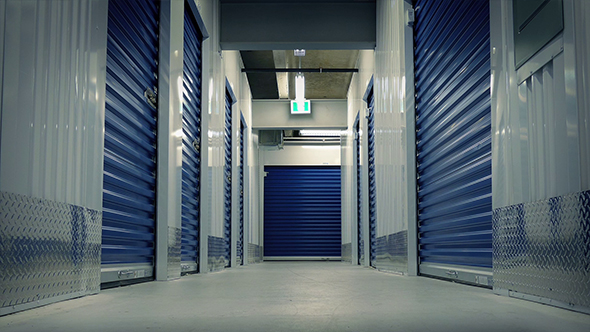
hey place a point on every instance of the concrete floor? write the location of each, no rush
(297, 296)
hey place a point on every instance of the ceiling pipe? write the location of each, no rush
(300, 70)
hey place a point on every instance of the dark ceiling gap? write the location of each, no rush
(327, 73)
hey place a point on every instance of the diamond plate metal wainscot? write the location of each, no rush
(49, 251)
(174, 251)
(543, 249)
(392, 252)
(216, 259)
(346, 252)
(254, 253)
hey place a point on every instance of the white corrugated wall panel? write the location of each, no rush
(389, 119)
(254, 190)
(213, 103)
(53, 108)
(356, 105)
(2, 28)
(349, 205)
(582, 28)
(540, 125)
(346, 145)
(393, 101)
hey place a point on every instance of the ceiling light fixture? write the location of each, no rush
(299, 87)
(320, 133)
(300, 105)
(299, 78)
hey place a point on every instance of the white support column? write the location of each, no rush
(411, 183)
(246, 235)
(235, 177)
(365, 183)
(169, 177)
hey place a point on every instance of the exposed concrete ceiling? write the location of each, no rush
(317, 85)
(262, 85)
(267, 31)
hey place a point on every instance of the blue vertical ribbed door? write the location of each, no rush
(240, 244)
(227, 177)
(453, 140)
(302, 216)
(370, 99)
(191, 144)
(129, 194)
(359, 193)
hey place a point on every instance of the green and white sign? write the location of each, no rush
(300, 106)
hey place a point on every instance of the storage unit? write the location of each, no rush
(240, 244)
(128, 220)
(359, 192)
(191, 143)
(453, 141)
(370, 100)
(230, 99)
(302, 216)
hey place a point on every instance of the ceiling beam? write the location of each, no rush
(280, 58)
(300, 70)
(288, 25)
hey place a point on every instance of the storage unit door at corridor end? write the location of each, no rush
(302, 212)
(453, 139)
(191, 143)
(128, 229)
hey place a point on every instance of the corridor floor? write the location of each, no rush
(297, 296)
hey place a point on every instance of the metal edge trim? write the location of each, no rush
(472, 275)
(111, 273)
(541, 300)
(39, 303)
(536, 62)
(300, 258)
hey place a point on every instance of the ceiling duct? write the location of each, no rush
(270, 138)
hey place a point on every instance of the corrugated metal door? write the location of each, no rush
(191, 144)
(302, 216)
(130, 141)
(453, 124)
(359, 193)
(241, 236)
(227, 174)
(370, 99)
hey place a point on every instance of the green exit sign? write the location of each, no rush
(300, 107)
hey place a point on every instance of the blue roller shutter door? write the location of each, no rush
(191, 144)
(130, 140)
(302, 216)
(241, 238)
(372, 181)
(227, 175)
(359, 192)
(453, 123)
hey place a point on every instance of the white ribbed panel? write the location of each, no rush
(2, 27)
(213, 103)
(53, 100)
(212, 109)
(348, 208)
(390, 119)
(232, 68)
(254, 191)
(539, 127)
(356, 105)
(582, 28)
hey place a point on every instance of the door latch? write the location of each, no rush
(196, 144)
(151, 97)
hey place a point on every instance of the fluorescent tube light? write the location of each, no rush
(320, 133)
